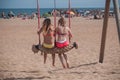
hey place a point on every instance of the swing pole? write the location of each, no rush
(55, 17)
(104, 31)
(69, 14)
(69, 17)
(38, 11)
(117, 15)
(55, 13)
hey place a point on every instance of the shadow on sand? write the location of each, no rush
(27, 78)
(72, 67)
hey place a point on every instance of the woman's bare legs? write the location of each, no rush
(66, 60)
(45, 57)
(53, 59)
(61, 59)
(42, 53)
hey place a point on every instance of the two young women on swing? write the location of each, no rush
(61, 32)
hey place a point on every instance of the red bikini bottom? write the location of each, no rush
(61, 45)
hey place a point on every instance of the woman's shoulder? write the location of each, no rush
(52, 27)
(66, 27)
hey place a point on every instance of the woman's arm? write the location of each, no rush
(40, 31)
(69, 34)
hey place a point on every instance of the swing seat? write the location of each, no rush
(37, 48)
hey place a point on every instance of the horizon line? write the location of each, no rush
(56, 8)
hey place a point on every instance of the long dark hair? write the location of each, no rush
(46, 24)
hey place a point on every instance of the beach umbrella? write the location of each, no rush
(70, 12)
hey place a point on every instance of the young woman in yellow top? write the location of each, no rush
(48, 33)
(47, 30)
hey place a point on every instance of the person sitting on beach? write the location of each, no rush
(49, 39)
(11, 14)
(3, 15)
(48, 33)
(62, 32)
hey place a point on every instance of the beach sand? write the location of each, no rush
(18, 62)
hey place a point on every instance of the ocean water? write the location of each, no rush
(25, 11)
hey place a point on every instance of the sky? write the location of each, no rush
(50, 3)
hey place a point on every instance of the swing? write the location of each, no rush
(36, 48)
(54, 50)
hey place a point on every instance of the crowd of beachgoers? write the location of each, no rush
(91, 14)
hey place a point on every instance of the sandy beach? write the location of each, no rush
(18, 62)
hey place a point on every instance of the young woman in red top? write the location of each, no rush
(63, 32)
